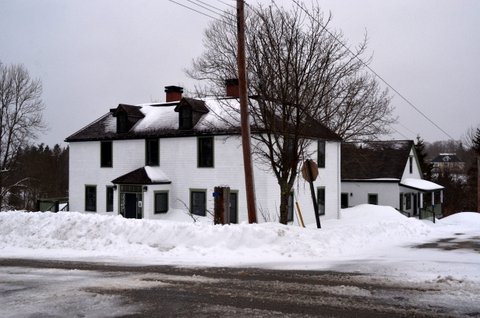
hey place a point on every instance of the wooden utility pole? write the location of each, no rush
(245, 122)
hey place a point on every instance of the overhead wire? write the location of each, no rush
(204, 7)
(373, 71)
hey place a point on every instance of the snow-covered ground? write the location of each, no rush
(367, 238)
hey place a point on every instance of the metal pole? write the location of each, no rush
(245, 124)
(312, 191)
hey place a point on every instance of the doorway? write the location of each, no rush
(131, 201)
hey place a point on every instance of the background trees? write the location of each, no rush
(21, 109)
(44, 174)
(299, 73)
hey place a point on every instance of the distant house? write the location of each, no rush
(447, 164)
(387, 173)
(156, 160)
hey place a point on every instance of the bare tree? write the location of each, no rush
(300, 74)
(21, 109)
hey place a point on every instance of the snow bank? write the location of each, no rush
(70, 234)
(470, 219)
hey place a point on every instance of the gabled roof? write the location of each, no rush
(375, 160)
(197, 105)
(144, 175)
(218, 116)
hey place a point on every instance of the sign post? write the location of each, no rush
(310, 174)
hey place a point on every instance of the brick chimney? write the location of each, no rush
(232, 87)
(173, 93)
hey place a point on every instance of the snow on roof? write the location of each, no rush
(156, 116)
(156, 174)
(421, 184)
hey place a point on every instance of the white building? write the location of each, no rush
(387, 173)
(155, 160)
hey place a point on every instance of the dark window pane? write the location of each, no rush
(161, 202)
(233, 207)
(408, 201)
(321, 154)
(321, 201)
(91, 198)
(290, 208)
(109, 199)
(106, 154)
(122, 123)
(373, 198)
(198, 203)
(152, 152)
(344, 199)
(205, 152)
(185, 118)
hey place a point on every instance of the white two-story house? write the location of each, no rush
(160, 159)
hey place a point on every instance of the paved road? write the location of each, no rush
(32, 288)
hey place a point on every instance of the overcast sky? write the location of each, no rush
(92, 55)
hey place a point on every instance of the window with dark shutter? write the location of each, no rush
(91, 198)
(233, 207)
(185, 118)
(106, 154)
(109, 199)
(290, 207)
(198, 202)
(205, 152)
(373, 198)
(321, 200)
(122, 122)
(161, 202)
(152, 152)
(321, 154)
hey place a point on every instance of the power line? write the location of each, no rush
(371, 70)
(207, 7)
(230, 5)
(190, 8)
(203, 13)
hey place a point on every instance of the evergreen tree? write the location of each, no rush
(422, 158)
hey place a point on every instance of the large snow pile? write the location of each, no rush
(360, 231)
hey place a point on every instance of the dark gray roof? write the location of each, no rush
(161, 120)
(373, 160)
(137, 176)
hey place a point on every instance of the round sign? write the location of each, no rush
(309, 170)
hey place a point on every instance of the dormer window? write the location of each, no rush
(127, 116)
(190, 111)
(185, 118)
(122, 122)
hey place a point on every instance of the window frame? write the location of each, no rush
(342, 196)
(148, 152)
(89, 208)
(291, 207)
(160, 192)
(319, 198)
(201, 152)
(235, 206)
(107, 203)
(185, 121)
(321, 153)
(372, 195)
(408, 201)
(204, 192)
(106, 152)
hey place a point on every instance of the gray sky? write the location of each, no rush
(92, 55)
